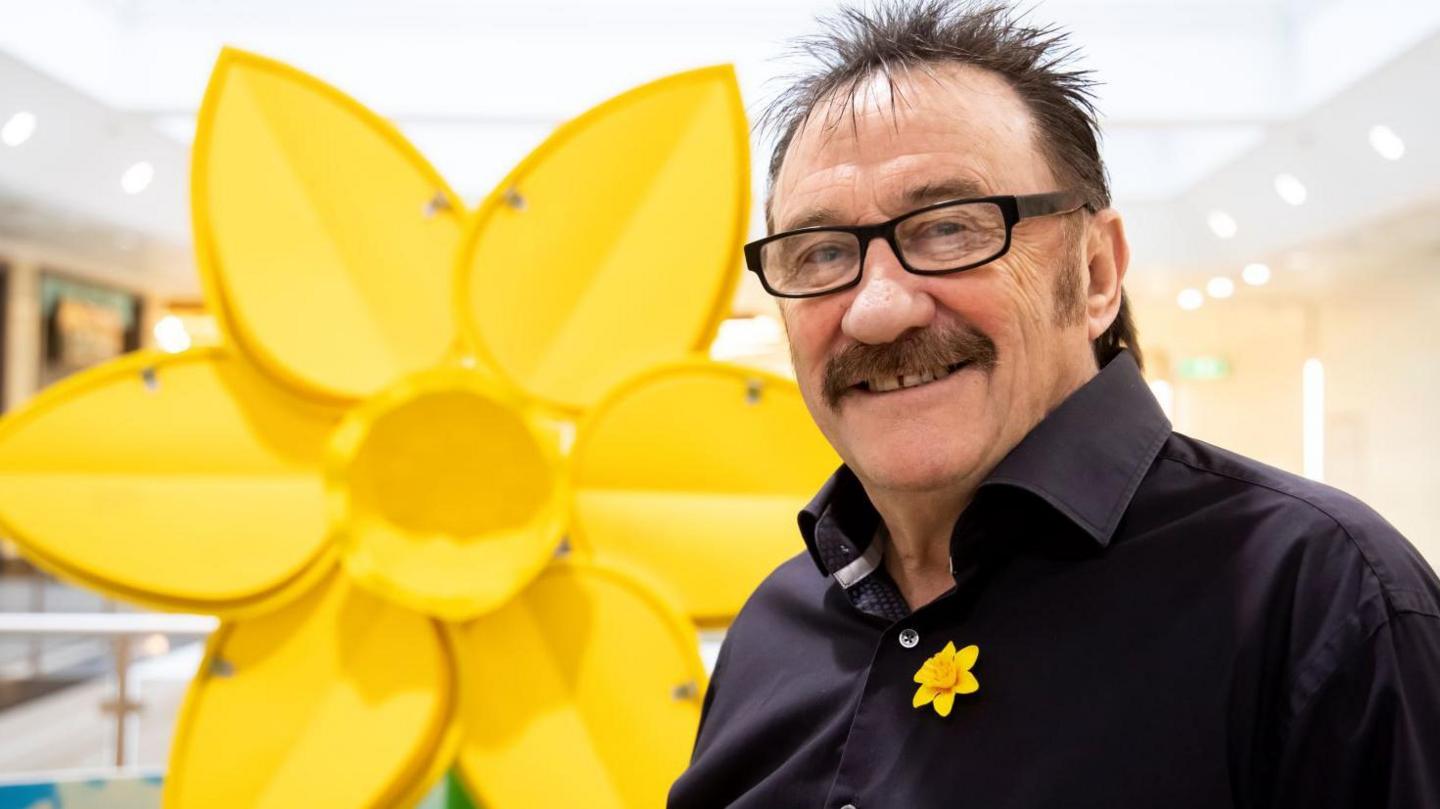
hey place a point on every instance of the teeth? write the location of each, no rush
(908, 380)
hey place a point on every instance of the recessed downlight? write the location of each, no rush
(18, 128)
(1222, 224)
(137, 178)
(1386, 143)
(1290, 189)
(1220, 287)
(1256, 274)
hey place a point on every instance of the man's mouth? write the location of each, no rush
(894, 383)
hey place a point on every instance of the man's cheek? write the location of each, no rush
(1015, 302)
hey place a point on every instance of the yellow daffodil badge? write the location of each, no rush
(460, 484)
(944, 675)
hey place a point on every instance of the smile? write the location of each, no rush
(894, 383)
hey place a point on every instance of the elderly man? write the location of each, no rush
(1022, 589)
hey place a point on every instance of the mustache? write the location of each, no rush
(935, 347)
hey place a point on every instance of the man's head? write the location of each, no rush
(917, 103)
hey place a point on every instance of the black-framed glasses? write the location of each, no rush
(951, 236)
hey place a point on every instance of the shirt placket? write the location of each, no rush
(901, 650)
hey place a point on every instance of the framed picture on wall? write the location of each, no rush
(83, 324)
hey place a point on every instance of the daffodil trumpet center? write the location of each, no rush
(943, 673)
(445, 494)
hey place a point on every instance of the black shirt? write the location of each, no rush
(1160, 623)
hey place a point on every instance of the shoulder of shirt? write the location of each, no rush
(1342, 572)
(1317, 514)
(795, 585)
(792, 591)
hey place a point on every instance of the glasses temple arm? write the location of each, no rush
(1046, 204)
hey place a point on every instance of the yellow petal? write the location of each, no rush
(571, 693)
(338, 699)
(943, 702)
(966, 657)
(694, 472)
(924, 694)
(446, 496)
(616, 243)
(185, 482)
(949, 650)
(968, 684)
(317, 232)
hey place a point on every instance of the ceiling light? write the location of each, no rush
(1256, 274)
(1222, 224)
(1220, 287)
(137, 178)
(1384, 140)
(1312, 419)
(1290, 189)
(18, 129)
(171, 335)
(1190, 299)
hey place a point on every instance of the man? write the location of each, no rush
(1022, 589)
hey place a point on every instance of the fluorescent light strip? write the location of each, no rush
(1312, 413)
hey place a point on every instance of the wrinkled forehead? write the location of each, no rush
(870, 145)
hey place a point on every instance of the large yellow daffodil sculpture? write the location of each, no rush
(459, 484)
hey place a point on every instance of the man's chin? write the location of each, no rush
(914, 464)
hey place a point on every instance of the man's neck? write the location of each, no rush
(917, 533)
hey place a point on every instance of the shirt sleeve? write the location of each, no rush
(1370, 736)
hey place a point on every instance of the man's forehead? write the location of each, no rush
(890, 133)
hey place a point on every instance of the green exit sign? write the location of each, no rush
(1204, 368)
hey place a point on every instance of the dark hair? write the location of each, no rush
(892, 36)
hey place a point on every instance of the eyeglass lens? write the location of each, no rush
(945, 238)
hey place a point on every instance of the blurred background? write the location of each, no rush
(1277, 163)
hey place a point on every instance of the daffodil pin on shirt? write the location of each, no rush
(944, 675)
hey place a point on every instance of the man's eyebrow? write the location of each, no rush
(917, 197)
(942, 190)
(811, 218)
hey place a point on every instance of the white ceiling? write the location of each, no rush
(1204, 101)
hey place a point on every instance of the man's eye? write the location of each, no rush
(943, 228)
(825, 254)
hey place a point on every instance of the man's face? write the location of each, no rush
(1017, 323)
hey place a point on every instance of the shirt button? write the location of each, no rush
(848, 806)
(909, 638)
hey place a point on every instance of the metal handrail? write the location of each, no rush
(105, 623)
(120, 628)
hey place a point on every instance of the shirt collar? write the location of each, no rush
(839, 522)
(1086, 458)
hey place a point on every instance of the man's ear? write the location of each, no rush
(1107, 256)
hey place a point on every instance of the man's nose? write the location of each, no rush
(888, 302)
